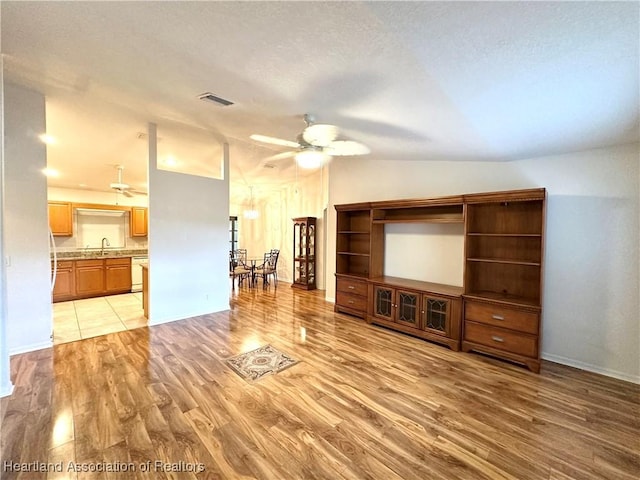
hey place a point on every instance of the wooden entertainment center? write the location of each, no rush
(498, 309)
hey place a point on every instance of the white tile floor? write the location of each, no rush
(92, 317)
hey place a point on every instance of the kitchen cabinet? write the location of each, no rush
(117, 275)
(89, 278)
(64, 288)
(61, 219)
(138, 222)
(427, 310)
(94, 277)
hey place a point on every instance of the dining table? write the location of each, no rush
(252, 263)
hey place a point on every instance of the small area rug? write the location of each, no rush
(260, 362)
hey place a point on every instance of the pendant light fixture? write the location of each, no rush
(252, 213)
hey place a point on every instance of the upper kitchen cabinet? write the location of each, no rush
(61, 219)
(138, 222)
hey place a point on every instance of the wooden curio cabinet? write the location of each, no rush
(304, 253)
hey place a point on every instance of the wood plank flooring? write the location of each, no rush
(363, 403)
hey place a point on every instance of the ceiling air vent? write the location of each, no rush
(210, 97)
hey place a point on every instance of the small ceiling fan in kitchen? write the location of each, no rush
(124, 188)
(315, 145)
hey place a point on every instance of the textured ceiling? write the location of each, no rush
(412, 80)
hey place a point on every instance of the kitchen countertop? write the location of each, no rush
(95, 254)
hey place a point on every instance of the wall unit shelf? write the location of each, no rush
(503, 275)
(498, 309)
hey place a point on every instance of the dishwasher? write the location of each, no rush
(136, 272)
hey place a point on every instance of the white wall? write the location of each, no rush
(188, 242)
(5, 381)
(592, 292)
(430, 252)
(26, 223)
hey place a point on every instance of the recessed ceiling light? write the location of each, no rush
(51, 172)
(48, 139)
(170, 161)
(82, 184)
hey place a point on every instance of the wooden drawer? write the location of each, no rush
(348, 285)
(64, 264)
(501, 339)
(354, 302)
(124, 261)
(501, 316)
(90, 263)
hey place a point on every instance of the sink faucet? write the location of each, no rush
(105, 240)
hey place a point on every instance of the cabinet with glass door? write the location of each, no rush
(426, 310)
(304, 254)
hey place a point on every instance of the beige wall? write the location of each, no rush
(274, 227)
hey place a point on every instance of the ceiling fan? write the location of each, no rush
(315, 145)
(124, 188)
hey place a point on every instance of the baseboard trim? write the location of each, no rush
(590, 368)
(30, 348)
(155, 322)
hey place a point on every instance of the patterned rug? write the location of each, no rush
(260, 362)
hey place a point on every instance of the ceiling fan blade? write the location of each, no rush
(343, 148)
(274, 141)
(320, 135)
(280, 156)
(126, 193)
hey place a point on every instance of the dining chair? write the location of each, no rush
(268, 267)
(238, 266)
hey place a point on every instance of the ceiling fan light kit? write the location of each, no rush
(311, 158)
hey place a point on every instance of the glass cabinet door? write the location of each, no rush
(408, 304)
(435, 313)
(383, 303)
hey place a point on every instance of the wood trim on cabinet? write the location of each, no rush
(506, 196)
(100, 206)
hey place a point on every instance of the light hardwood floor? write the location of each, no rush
(363, 403)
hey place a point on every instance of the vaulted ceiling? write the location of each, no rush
(491, 81)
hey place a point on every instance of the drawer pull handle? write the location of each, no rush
(497, 317)
(351, 301)
(497, 339)
(351, 287)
